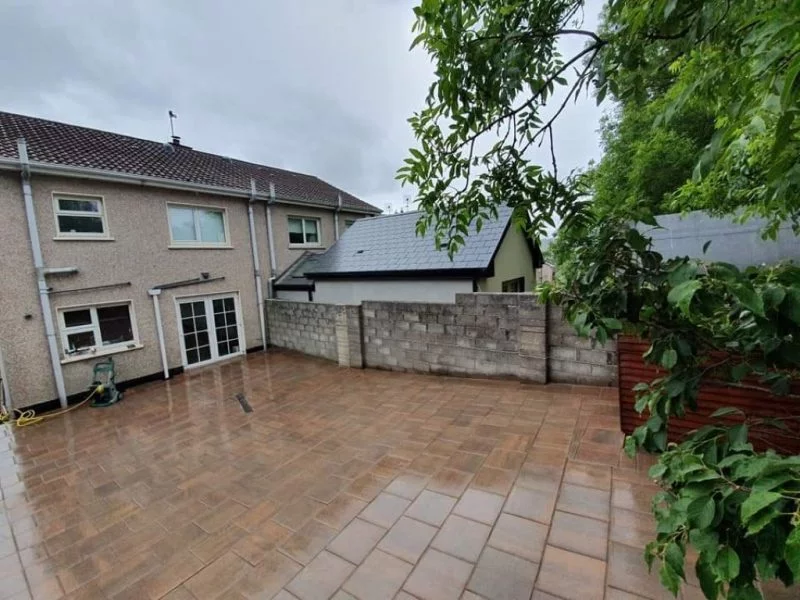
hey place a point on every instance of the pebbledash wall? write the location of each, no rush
(482, 335)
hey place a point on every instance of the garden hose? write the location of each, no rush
(28, 417)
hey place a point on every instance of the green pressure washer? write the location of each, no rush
(104, 384)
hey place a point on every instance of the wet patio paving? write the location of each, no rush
(341, 483)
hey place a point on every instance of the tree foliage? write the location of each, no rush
(709, 95)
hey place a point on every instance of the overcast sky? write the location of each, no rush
(317, 86)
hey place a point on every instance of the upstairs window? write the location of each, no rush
(303, 232)
(92, 328)
(194, 226)
(80, 217)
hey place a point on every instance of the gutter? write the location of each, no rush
(256, 265)
(146, 180)
(41, 272)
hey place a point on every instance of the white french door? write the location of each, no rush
(210, 328)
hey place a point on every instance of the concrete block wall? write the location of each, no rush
(487, 335)
(572, 359)
(307, 327)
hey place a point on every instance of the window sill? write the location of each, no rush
(99, 353)
(199, 247)
(307, 246)
(82, 238)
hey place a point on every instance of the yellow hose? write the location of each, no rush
(28, 417)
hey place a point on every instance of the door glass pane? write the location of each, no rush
(188, 324)
(312, 235)
(74, 224)
(228, 303)
(195, 332)
(205, 353)
(115, 324)
(79, 341)
(212, 226)
(75, 318)
(181, 222)
(218, 306)
(192, 356)
(186, 310)
(79, 205)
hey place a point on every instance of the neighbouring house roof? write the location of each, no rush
(292, 278)
(389, 246)
(55, 143)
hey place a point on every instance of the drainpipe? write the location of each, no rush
(154, 294)
(7, 402)
(256, 265)
(38, 263)
(272, 266)
(336, 212)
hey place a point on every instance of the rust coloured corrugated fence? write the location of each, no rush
(755, 403)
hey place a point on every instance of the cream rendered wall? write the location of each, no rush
(139, 253)
(286, 253)
(411, 290)
(513, 260)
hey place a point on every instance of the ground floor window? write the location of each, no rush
(513, 286)
(210, 328)
(88, 329)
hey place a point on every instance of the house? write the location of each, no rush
(153, 253)
(383, 258)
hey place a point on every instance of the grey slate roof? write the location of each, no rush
(389, 244)
(63, 144)
(293, 278)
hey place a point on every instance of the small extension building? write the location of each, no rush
(383, 258)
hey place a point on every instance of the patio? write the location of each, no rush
(340, 483)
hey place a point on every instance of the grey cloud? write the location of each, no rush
(318, 86)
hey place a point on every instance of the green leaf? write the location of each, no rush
(748, 297)
(669, 359)
(757, 501)
(630, 446)
(791, 552)
(681, 295)
(669, 578)
(701, 512)
(726, 411)
(656, 471)
(727, 564)
(674, 555)
(705, 541)
(707, 578)
(611, 323)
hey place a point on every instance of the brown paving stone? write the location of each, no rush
(341, 511)
(321, 578)
(519, 536)
(531, 504)
(219, 576)
(496, 481)
(479, 506)
(627, 571)
(632, 528)
(502, 576)
(593, 476)
(438, 576)
(615, 594)
(431, 507)
(356, 540)
(571, 576)
(579, 534)
(298, 513)
(462, 538)
(385, 510)
(407, 539)
(185, 493)
(450, 482)
(407, 485)
(306, 542)
(254, 546)
(266, 580)
(632, 496)
(379, 577)
(588, 502)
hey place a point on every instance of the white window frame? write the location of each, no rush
(304, 244)
(173, 243)
(94, 327)
(212, 334)
(68, 235)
